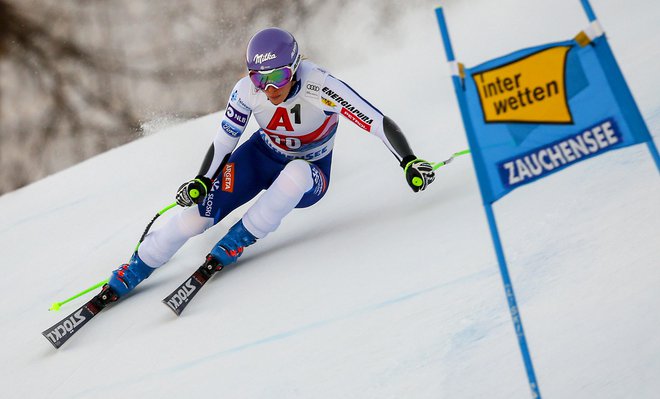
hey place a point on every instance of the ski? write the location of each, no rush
(58, 334)
(181, 296)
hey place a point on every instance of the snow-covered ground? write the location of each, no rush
(376, 292)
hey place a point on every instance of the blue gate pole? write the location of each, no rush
(625, 91)
(588, 10)
(513, 305)
(482, 176)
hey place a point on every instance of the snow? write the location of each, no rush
(375, 292)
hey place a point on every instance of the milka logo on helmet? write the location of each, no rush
(261, 58)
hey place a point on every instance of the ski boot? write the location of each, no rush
(230, 247)
(129, 275)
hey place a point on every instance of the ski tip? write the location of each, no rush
(55, 343)
(177, 310)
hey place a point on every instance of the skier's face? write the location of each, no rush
(277, 96)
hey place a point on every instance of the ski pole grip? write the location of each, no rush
(194, 193)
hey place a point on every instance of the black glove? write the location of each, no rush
(419, 174)
(193, 191)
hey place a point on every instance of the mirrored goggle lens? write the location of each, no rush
(276, 77)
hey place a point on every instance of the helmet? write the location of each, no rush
(272, 48)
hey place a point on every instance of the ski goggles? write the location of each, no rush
(277, 78)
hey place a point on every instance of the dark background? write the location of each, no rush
(78, 77)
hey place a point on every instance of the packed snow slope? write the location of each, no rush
(376, 292)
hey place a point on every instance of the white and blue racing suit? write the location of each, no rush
(289, 156)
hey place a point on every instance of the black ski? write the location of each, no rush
(181, 296)
(62, 331)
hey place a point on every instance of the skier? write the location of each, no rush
(297, 106)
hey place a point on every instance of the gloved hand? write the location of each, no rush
(193, 191)
(419, 174)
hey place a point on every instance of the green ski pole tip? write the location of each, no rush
(56, 307)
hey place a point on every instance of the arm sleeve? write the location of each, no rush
(231, 128)
(339, 97)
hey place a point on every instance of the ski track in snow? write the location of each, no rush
(470, 334)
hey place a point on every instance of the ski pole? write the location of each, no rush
(417, 181)
(445, 162)
(56, 306)
(146, 230)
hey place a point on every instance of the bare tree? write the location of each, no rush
(78, 77)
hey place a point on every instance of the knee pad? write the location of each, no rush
(191, 223)
(161, 244)
(297, 174)
(281, 197)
